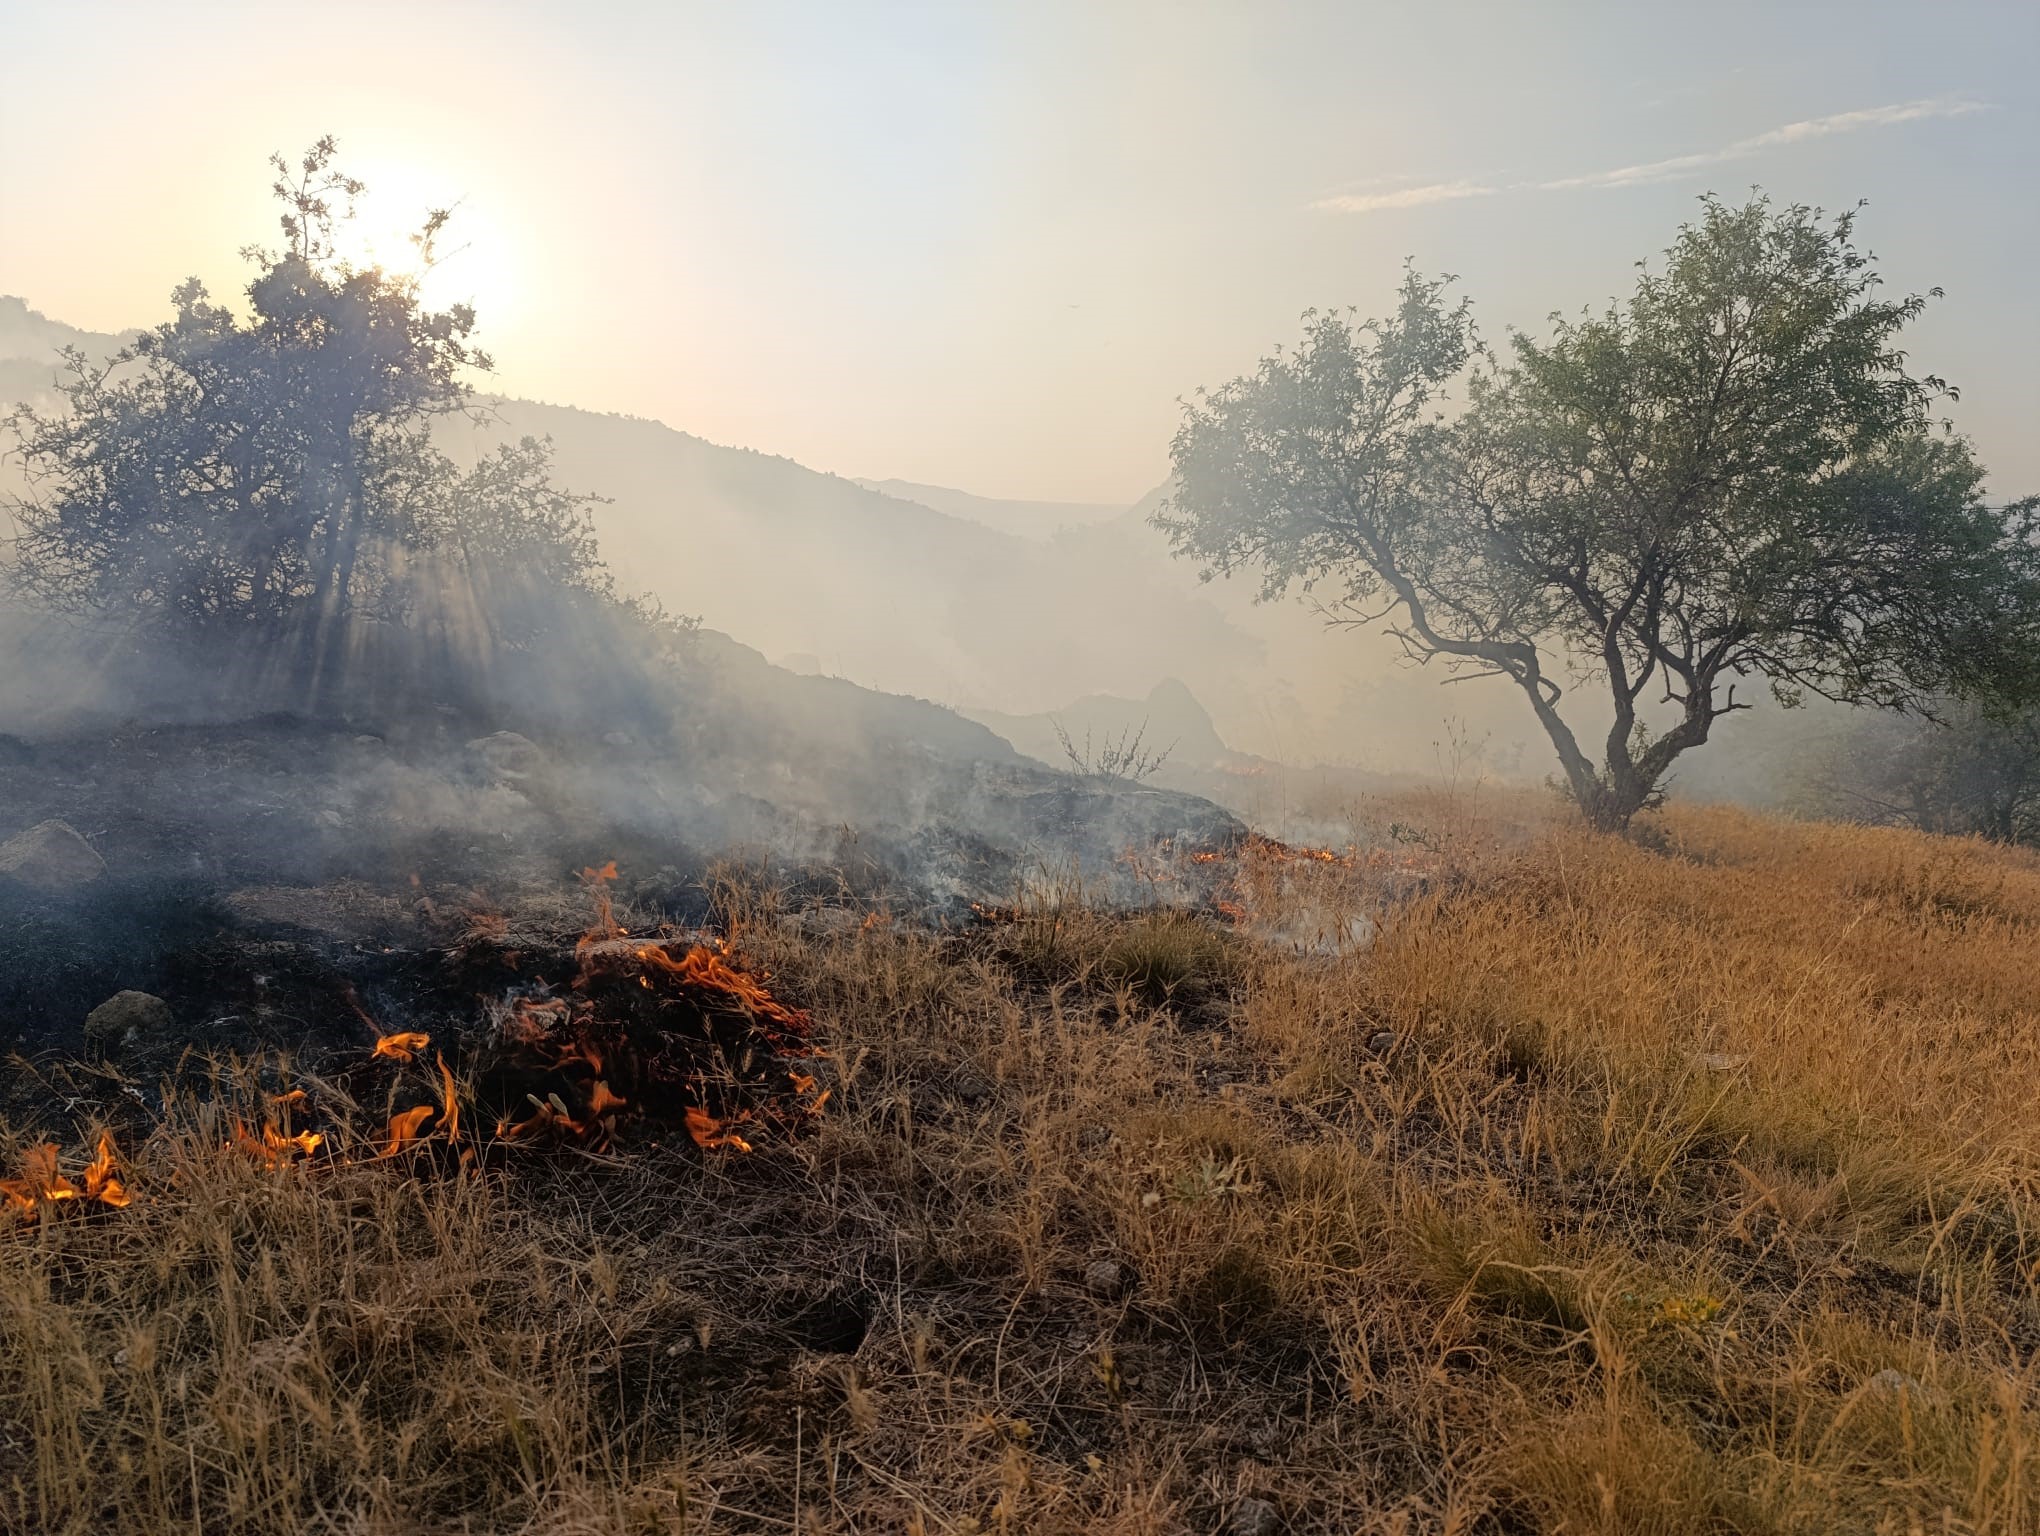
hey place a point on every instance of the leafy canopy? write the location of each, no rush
(273, 475)
(1730, 474)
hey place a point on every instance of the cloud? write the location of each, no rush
(1403, 197)
(1651, 171)
(1792, 133)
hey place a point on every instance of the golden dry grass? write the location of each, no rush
(1611, 1189)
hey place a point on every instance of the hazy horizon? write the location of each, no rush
(991, 252)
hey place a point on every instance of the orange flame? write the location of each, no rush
(102, 1179)
(403, 1129)
(403, 1046)
(449, 1116)
(710, 1133)
(41, 1182)
(273, 1148)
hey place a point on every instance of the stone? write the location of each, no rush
(126, 1020)
(508, 755)
(1107, 1279)
(1381, 1042)
(830, 922)
(50, 856)
(1255, 1517)
(969, 1088)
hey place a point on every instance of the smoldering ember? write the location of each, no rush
(559, 977)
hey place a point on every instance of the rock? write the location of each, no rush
(126, 1020)
(1255, 1517)
(507, 755)
(968, 1088)
(1381, 1042)
(1108, 1279)
(618, 738)
(51, 856)
(830, 922)
(14, 752)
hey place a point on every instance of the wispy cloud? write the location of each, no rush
(1403, 197)
(1792, 133)
(1650, 171)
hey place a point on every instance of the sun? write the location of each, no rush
(471, 260)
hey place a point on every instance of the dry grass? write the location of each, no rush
(1610, 1189)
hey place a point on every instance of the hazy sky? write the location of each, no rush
(989, 246)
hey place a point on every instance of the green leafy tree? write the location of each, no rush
(1729, 475)
(1972, 768)
(272, 477)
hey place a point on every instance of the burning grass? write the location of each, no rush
(1605, 1190)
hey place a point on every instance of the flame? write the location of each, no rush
(403, 1129)
(703, 968)
(449, 1103)
(41, 1182)
(710, 1133)
(572, 1039)
(549, 1117)
(274, 1148)
(102, 1179)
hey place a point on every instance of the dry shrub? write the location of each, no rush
(1162, 955)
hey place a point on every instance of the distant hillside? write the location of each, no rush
(30, 348)
(833, 577)
(1026, 519)
(995, 605)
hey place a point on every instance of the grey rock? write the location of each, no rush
(1382, 1041)
(968, 1088)
(1255, 1517)
(125, 1021)
(1108, 1279)
(508, 755)
(830, 922)
(51, 856)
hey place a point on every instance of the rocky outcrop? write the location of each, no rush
(51, 857)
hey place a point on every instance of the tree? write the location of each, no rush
(1730, 475)
(272, 478)
(1973, 769)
